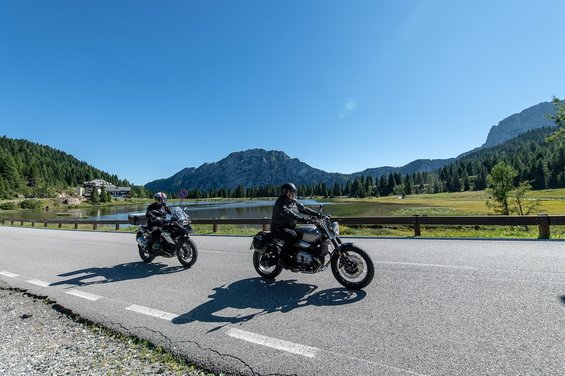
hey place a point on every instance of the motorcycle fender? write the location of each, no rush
(260, 251)
(345, 246)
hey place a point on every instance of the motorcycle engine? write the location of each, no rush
(307, 262)
(304, 258)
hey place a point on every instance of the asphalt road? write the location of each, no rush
(435, 307)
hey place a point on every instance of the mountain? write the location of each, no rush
(419, 165)
(256, 167)
(259, 167)
(531, 118)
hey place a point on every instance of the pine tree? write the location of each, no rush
(95, 196)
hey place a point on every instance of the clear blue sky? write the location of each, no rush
(143, 89)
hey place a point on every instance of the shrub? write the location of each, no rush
(8, 206)
(31, 204)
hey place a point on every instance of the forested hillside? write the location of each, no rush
(537, 161)
(31, 169)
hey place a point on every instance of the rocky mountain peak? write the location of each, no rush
(531, 118)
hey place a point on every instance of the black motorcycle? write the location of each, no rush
(174, 240)
(351, 266)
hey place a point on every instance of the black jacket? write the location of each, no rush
(156, 213)
(286, 213)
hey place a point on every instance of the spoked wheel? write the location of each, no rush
(354, 269)
(187, 253)
(266, 264)
(143, 253)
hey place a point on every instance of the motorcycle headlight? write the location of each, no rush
(335, 227)
(185, 222)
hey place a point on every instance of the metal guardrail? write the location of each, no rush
(543, 221)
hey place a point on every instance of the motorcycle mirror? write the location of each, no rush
(321, 207)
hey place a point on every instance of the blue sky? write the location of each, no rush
(143, 89)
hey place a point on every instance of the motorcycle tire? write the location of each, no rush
(270, 272)
(354, 269)
(143, 253)
(187, 253)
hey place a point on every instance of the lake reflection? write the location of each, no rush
(196, 210)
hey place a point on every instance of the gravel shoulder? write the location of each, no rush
(38, 338)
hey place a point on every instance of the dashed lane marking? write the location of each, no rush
(84, 295)
(38, 282)
(8, 274)
(152, 312)
(274, 343)
(428, 265)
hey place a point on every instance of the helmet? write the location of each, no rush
(160, 197)
(288, 188)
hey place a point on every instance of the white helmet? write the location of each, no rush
(160, 197)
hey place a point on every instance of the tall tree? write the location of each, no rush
(559, 119)
(500, 184)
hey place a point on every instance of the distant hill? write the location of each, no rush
(256, 167)
(38, 170)
(260, 167)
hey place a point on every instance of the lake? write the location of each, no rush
(196, 210)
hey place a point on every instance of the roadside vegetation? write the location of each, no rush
(550, 201)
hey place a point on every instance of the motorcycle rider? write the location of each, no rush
(155, 216)
(286, 214)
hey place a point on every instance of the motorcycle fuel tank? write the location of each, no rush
(310, 233)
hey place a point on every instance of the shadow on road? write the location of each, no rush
(267, 297)
(116, 273)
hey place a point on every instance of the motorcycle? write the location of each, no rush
(174, 240)
(350, 265)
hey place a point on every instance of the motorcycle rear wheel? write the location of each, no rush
(143, 253)
(267, 272)
(187, 253)
(354, 269)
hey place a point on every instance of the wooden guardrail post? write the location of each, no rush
(94, 226)
(44, 223)
(417, 231)
(60, 224)
(117, 226)
(215, 226)
(76, 225)
(544, 232)
(32, 224)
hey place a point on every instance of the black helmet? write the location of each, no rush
(160, 197)
(288, 187)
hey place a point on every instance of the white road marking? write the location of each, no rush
(430, 265)
(278, 344)
(152, 312)
(375, 363)
(38, 282)
(84, 295)
(9, 275)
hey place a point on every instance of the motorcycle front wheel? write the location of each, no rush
(187, 253)
(263, 264)
(354, 269)
(143, 253)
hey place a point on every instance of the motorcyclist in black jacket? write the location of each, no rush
(155, 215)
(286, 214)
